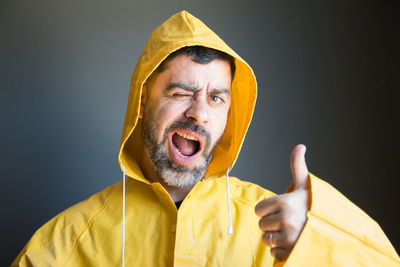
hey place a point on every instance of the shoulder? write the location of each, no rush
(80, 214)
(246, 192)
(53, 242)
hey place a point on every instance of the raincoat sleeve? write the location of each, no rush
(338, 233)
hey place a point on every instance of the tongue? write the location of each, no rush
(185, 146)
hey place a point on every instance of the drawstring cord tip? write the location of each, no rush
(230, 230)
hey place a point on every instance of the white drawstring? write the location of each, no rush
(123, 215)
(230, 228)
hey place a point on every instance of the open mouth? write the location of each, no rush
(185, 146)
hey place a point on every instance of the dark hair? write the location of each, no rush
(199, 54)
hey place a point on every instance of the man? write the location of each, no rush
(190, 104)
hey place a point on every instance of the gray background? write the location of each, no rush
(327, 74)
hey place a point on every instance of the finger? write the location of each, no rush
(278, 251)
(268, 239)
(276, 239)
(299, 167)
(267, 206)
(280, 254)
(270, 222)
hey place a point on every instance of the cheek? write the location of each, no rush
(165, 115)
(219, 123)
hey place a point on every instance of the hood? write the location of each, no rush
(180, 30)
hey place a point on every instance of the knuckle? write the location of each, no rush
(279, 224)
(290, 226)
(286, 221)
(284, 240)
(257, 209)
(284, 217)
(290, 221)
(261, 224)
(281, 255)
(284, 204)
(265, 239)
(273, 252)
(279, 201)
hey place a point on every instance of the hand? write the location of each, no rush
(284, 216)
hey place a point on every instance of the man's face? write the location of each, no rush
(184, 116)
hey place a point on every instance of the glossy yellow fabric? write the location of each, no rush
(337, 233)
(89, 233)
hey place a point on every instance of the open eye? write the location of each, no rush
(216, 99)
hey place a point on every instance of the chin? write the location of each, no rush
(177, 175)
(181, 179)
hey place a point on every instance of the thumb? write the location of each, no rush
(299, 167)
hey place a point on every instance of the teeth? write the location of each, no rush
(187, 136)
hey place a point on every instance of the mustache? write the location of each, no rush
(191, 126)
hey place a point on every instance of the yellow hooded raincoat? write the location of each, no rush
(337, 233)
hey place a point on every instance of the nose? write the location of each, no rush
(198, 111)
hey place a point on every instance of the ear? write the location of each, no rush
(143, 100)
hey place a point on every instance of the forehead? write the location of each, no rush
(184, 68)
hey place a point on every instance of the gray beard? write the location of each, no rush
(172, 173)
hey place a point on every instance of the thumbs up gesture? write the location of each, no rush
(283, 216)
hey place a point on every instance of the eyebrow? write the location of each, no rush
(181, 85)
(191, 88)
(220, 91)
